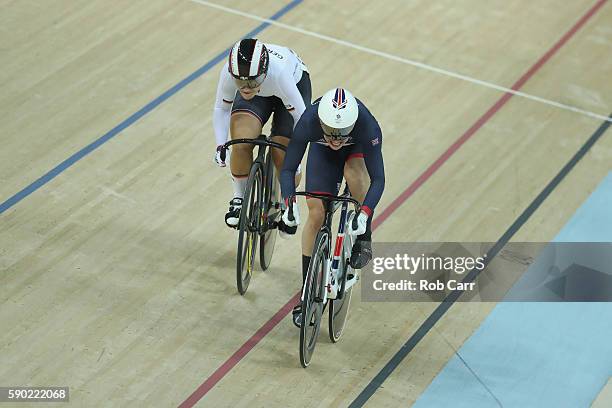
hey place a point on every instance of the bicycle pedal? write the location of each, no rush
(352, 277)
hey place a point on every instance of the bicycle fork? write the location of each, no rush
(341, 256)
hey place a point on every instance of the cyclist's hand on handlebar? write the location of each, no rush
(291, 215)
(220, 162)
(360, 228)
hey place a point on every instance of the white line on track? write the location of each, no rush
(406, 61)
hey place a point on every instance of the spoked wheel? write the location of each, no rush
(312, 304)
(339, 307)
(271, 214)
(249, 225)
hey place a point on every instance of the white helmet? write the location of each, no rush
(338, 113)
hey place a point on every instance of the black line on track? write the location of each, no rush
(443, 307)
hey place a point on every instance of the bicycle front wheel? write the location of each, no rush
(312, 302)
(250, 220)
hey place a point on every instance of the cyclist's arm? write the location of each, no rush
(293, 157)
(291, 96)
(226, 90)
(372, 153)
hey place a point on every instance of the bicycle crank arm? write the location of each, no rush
(271, 225)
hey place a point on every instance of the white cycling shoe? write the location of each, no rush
(232, 216)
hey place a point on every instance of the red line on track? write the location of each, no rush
(483, 119)
(215, 377)
(240, 353)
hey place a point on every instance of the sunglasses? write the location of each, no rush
(335, 134)
(249, 82)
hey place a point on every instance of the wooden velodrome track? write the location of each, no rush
(116, 269)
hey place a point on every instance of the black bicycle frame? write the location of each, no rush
(330, 202)
(261, 142)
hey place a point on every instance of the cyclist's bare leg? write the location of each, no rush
(356, 176)
(242, 126)
(316, 215)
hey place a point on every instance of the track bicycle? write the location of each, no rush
(330, 278)
(260, 213)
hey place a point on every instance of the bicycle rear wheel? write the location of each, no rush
(249, 225)
(271, 214)
(312, 303)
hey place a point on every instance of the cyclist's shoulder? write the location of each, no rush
(283, 60)
(366, 122)
(282, 52)
(276, 48)
(311, 114)
(279, 55)
(308, 125)
(363, 109)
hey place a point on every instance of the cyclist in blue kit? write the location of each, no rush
(345, 141)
